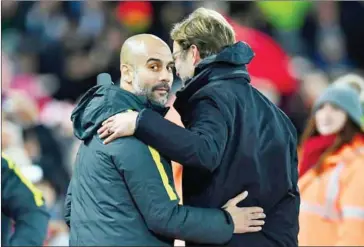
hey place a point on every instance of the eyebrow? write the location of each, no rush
(154, 60)
(171, 63)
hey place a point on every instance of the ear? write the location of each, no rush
(195, 54)
(126, 73)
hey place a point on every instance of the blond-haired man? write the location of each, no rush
(235, 138)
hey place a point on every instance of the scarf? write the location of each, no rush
(312, 149)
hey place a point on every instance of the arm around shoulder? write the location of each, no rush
(201, 145)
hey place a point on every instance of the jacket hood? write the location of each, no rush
(230, 63)
(239, 53)
(101, 102)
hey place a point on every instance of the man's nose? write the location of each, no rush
(166, 75)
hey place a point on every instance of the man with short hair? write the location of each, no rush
(122, 194)
(235, 138)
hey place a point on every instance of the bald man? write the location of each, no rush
(122, 194)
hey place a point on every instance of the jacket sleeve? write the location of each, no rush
(67, 205)
(155, 196)
(201, 145)
(24, 204)
(351, 228)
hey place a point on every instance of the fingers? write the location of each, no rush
(110, 119)
(102, 129)
(254, 229)
(247, 219)
(258, 216)
(255, 216)
(111, 138)
(257, 222)
(105, 130)
(238, 198)
(254, 210)
(105, 134)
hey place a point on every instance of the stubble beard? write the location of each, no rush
(144, 91)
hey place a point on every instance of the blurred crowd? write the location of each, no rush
(52, 52)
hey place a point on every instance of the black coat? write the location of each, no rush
(235, 140)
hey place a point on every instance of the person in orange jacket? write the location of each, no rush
(173, 116)
(331, 165)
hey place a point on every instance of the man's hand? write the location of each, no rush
(119, 125)
(245, 219)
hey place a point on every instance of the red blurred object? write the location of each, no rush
(136, 15)
(270, 61)
(27, 84)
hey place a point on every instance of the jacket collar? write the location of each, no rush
(239, 53)
(347, 152)
(230, 63)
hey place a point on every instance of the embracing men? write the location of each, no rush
(122, 194)
(235, 139)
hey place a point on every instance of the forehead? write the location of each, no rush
(176, 47)
(161, 53)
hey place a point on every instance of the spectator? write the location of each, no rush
(331, 171)
(57, 234)
(23, 204)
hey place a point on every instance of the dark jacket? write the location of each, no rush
(22, 203)
(122, 194)
(51, 158)
(235, 140)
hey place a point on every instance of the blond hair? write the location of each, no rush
(205, 28)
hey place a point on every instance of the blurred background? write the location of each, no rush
(52, 52)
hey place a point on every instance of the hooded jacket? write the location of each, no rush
(235, 140)
(122, 194)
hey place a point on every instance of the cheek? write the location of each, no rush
(340, 120)
(318, 118)
(181, 65)
(330, 122)
(171, 78)
(177, 66)
(147, 79)
(321, 123)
